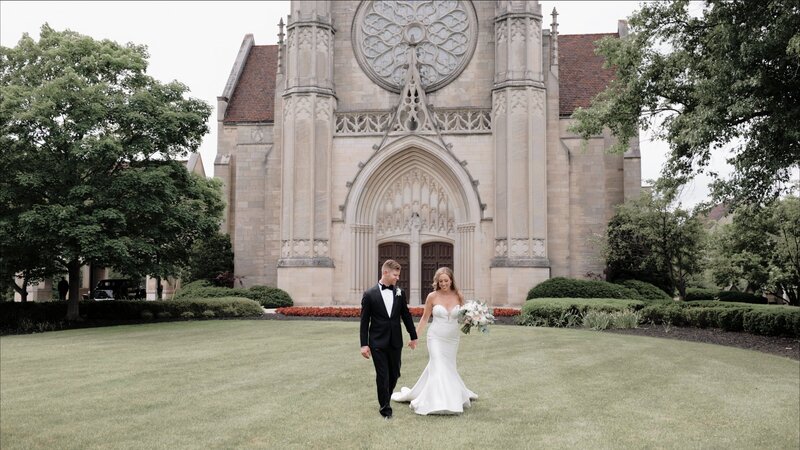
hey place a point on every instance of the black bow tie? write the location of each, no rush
(383, 286)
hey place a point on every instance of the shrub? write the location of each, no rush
(782, 321)
(560, 287)
(271, 297)
(741, 297)
(700, 294)
(562, 312)
(645, 290)
(267, 296)
(768, 320)
(27, 317)
(208, 314)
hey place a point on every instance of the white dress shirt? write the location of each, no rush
(388, 299)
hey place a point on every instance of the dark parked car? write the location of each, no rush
(118, 289)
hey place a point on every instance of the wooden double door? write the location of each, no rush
(432, 256)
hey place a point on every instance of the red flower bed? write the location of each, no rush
(335, 311)
(505, 312)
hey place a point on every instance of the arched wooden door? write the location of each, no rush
(434, 255)
(399, 252)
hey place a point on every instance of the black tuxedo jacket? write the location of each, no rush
(380, 330)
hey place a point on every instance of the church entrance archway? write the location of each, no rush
(434, 255)
(399, 252)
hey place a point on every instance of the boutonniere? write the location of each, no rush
(398, 292)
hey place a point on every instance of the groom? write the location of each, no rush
(382, 307)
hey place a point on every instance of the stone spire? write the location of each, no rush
(554, 38)
(280, 46)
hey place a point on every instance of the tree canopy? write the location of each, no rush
(88, 144)
(649, 241)
(728, 78)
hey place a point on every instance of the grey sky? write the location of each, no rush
(196, 44)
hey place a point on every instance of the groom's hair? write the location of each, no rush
(390, 264)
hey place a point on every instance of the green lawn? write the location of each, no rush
(303, 384)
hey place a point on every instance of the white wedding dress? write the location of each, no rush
(439, 389)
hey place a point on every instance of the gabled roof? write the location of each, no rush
(581, 72)
(253, 96)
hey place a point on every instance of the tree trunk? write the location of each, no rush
(22, 291)
(159, 288)
(74, 271)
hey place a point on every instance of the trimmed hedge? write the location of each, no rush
(560, 287)
(271, 297)
(767, 320)
(561, 312)
(30, 316)
(267, 296)
(645, 290)
(693, 294)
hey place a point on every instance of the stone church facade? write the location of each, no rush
(433, 133)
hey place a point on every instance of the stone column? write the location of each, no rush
(464, 259)
(520, 138)
(307, 135)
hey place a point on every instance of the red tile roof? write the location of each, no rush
(581, 72)
(253, 99)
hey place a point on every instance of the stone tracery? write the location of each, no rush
(442, 32)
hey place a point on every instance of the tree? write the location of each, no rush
(80, 120)
(174, 209)
(728, 78)
(761, 249)
(784, 274)
(740, 252)
(211, 259)
(649, 241)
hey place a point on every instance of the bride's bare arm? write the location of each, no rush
(426, 314)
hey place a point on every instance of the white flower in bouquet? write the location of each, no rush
(475, 314)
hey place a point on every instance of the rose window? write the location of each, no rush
(442, 33)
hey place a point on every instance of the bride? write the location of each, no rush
(440, 389)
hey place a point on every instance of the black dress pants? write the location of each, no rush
(387, 371)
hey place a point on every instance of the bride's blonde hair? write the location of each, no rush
(447, 271)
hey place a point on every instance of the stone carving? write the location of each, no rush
(464, 121)
(415, 200)
(367, 122)
(302, 108)
(499, 103)
(320, 248)
(323, 109)
(517, 30)
(501, 31)
(288, 107)
(451, 121)
(304, 37)
(537, 102)
(443, 34)
(256, 135)
(500, 248)
(322, 40)
(519, 248)
(518, 100)
(301, 248)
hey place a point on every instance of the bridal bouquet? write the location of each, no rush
(475, 314)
